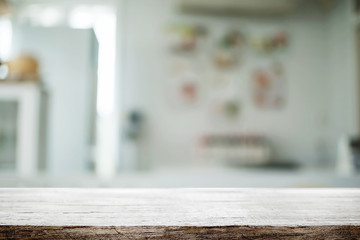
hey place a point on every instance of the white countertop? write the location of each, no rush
(209, 177)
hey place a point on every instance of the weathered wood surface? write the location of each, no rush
(180, 213)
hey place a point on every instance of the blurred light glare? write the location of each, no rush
(5, 38)
(45, 16)
(106, 68)
(50, 16)
(103, 20)
(81, 17)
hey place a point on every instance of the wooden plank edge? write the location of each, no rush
(180, 232)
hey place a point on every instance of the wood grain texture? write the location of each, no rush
(164, 232)
(179, 213)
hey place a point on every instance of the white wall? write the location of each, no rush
(342, 74)
(298, 132)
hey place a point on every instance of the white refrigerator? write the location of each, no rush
(68, 67)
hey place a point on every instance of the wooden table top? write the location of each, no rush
(161, 213)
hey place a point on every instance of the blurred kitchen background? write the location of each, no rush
(179, 93)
